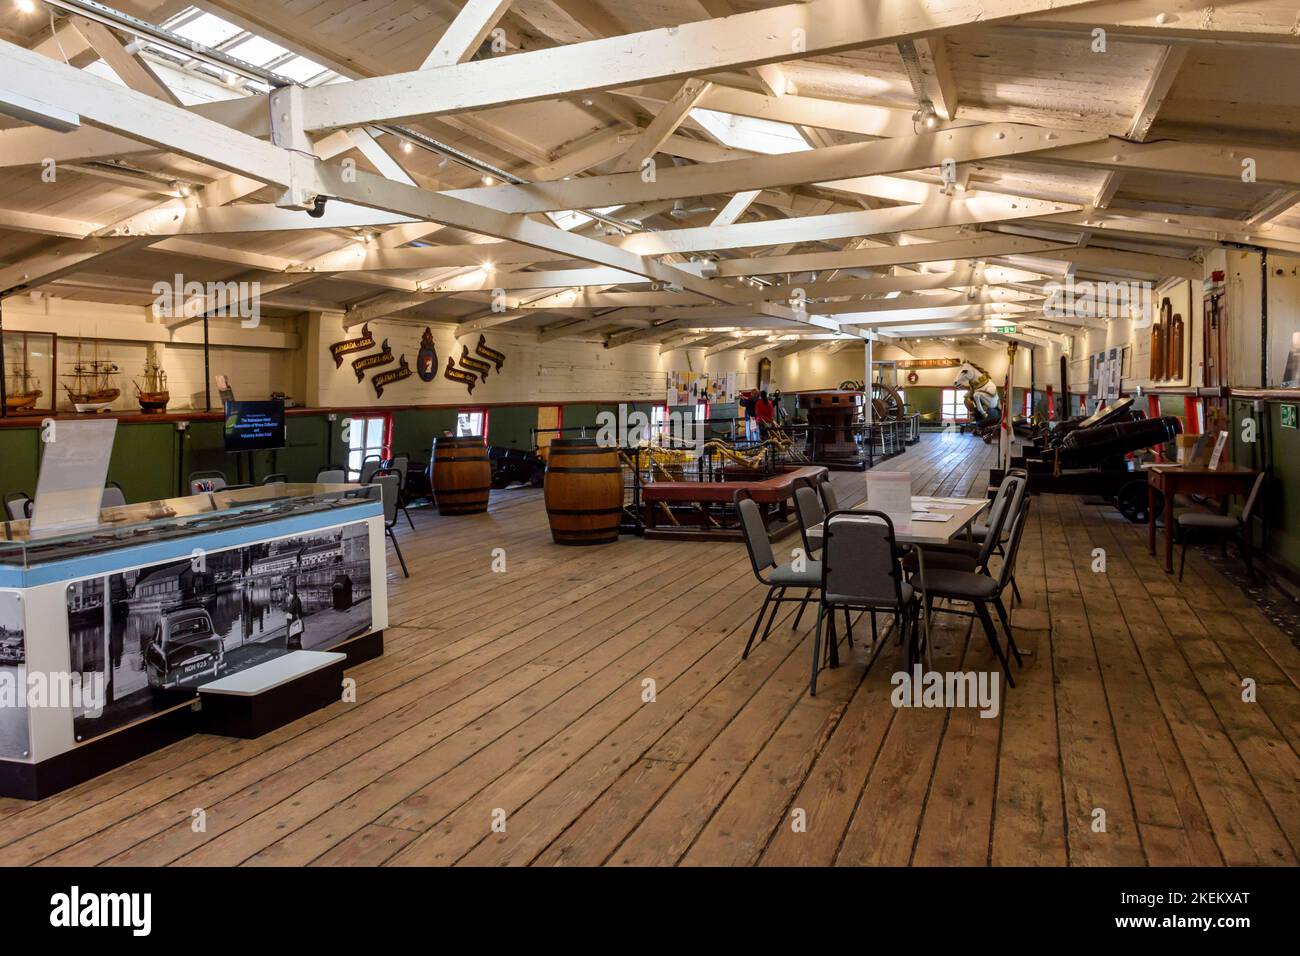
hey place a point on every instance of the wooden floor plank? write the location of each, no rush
(521, 692)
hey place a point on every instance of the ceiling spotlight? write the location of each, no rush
(406, 146)
(925, 117)
(25, 6)
(488, 180)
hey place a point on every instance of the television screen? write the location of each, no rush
(253, 426)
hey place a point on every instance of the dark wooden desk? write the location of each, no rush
(1227, 480)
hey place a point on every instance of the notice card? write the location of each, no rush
(74, 466)
(891, 492)
(1215, 455)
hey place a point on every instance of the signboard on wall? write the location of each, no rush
(692, 388)
(152, 634)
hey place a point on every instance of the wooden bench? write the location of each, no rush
(709, 517)
(258, 699)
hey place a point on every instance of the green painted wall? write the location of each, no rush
(415, 429)
(19, 450)
(512, 426)
(144, 460)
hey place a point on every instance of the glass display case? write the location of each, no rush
(29, 364)
(154, 521)
(139, 614)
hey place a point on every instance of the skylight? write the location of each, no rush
(215, 33)
(205, 29)
(749, 133)
(257, 50)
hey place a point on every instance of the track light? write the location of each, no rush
(925, 117)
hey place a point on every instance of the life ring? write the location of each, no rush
(912, 377)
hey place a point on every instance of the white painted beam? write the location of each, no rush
(772, 35)
(466, 33)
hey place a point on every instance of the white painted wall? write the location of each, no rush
(551, 372)
(258, 360)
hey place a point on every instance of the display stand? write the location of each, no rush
(145, 629)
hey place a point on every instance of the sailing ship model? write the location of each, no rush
(92, 388)
(152, 393)
(21, 392)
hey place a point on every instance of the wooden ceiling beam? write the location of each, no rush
(747, 39)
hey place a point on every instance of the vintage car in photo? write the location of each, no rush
(184, 648)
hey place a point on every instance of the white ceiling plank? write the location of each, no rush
(690, 49)
(1167, 20)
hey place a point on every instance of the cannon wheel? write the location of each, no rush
(888, 395)
(1131, 500)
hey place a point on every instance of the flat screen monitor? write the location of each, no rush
(254, 426)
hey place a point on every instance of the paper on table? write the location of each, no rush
(929, 516)
(944, 506)
(891, 492)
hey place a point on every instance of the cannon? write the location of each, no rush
(1089, 457)
(510, 465)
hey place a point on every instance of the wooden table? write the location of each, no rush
(923, 534)
(1226, 480)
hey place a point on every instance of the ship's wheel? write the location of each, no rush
(886, 401)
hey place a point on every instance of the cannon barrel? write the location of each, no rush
(1091, 446)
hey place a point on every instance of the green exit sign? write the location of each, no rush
(1288, 416)
(1006, 329)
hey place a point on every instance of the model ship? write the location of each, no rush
(92, 388)
(21, 393)
(152, 392)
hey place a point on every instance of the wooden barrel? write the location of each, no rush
(462, 476)
(584, 492)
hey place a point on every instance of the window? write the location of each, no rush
(471, 422)
(367, 437)
(1028, 410)
(954, 405)
(659, 421)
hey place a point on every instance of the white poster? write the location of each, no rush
(74, 467)
(891, 492)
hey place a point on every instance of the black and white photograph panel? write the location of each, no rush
(154, 634)
(14, 740)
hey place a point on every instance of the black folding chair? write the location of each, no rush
(777, 578)
(388, 485)
(861, 572)
(981, 588)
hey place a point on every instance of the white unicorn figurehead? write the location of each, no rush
(972, 377)
(982, 395)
